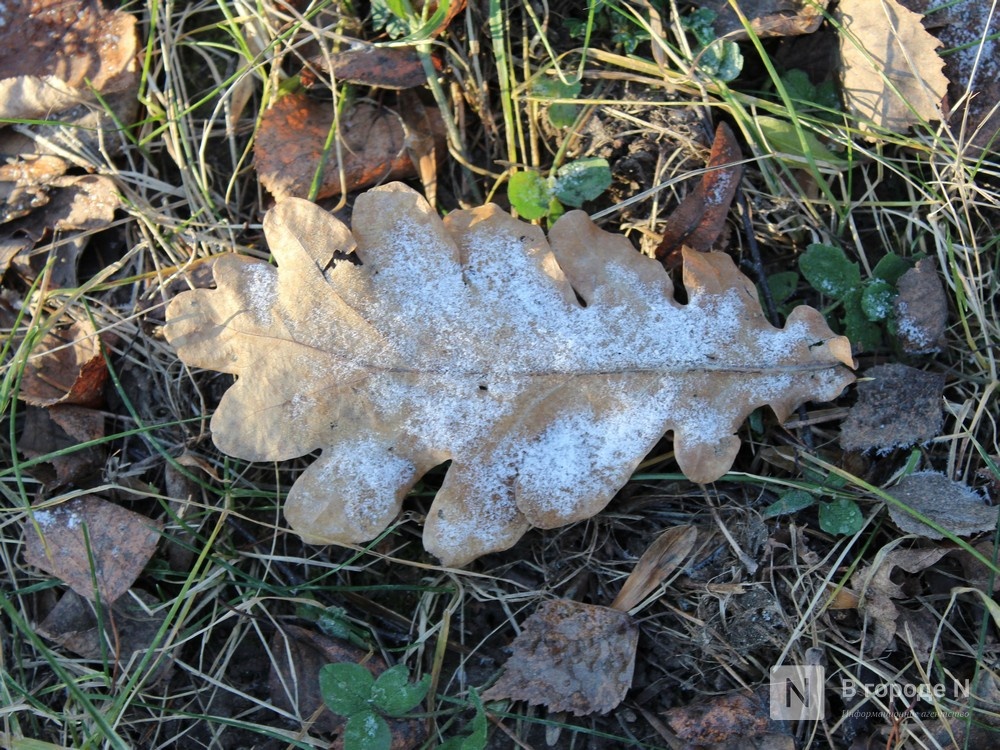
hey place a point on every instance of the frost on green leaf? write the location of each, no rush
(367, 730)
(876, 300)
(582, 180)
(791, 501)
(345, 687)
(529, 194)
(841, 517)
(722, 60)
(829, 271)
(394, 694)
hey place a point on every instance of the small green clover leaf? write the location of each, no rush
(842, 517)
(560, 115)
(345, 687)
(476, 739)
(351, 691)
(395, 695)
(791, 501)
(534, 196)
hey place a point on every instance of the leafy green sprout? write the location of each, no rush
(366, 701)
(534, 196)
(716, 57)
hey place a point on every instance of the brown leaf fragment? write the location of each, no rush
(77, 207)
(88, 539)
(298, 655)
(891, 73)
(464, 339)
(921, 309)
(722, 718)
(130, 627)
(372, 147)
(700, 218)
(56, 433)
(898, 406)
(66, 367)
(659, 560)
(767, 17)
(367, 65)
(878, 591)
(950, 504)
(570, 657)
(25, 184)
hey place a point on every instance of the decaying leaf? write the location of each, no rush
(69, 74)
(891, 72)
(372, 146)
(88, 540)
(56, 433)
(878, 592)
(124, 631)
(701, 217)
(571, 657)
(464, 340)
(722, 718)
(579, 657)
(921, 309)
(950, 504)
(898, 406)
(66, 367)
(368, 65)
(766, 17)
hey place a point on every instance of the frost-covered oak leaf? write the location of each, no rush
(466, 340)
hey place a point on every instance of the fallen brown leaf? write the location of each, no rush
(88, 540)
(878, 592)
(950, 504)
(56, 433)
(367, 65)
(130, 627)
(66, 367)
(464, 339)
(767, 17)
(570, 657)
(700, 218)
(921, 309)
(898, 406)
(372, 147)
(722, 718)
(891, 72)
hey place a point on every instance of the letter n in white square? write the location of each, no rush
(797, 692)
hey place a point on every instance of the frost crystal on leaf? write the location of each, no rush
(465, 340)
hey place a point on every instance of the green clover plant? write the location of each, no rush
(534, 196)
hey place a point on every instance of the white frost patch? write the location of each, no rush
(261, 287)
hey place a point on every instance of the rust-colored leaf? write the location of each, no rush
(371, 147)
(464, 339)
(571, 657)
(722, 718)
(88, 540)
(66, 367)
(700, 218)
(366, 65)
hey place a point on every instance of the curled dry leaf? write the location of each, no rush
(580, 657)
(465, 340)
(701, 217)
(367, 65)
(878, 591)
(66, 367)
(88, 540)
(767, 17)
(372, 146)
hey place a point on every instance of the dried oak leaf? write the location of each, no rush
(767, 17)
(464, 340)
(890, 69)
